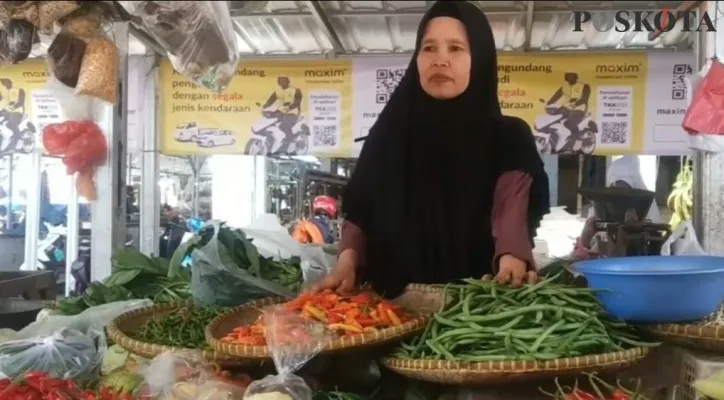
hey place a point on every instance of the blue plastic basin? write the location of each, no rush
(657, 289)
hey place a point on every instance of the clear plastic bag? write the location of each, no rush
(98, 76)
(198, 37)
(186, 376)
(66, 354)
(94, 318)
(16, 41)
(682, 242)
(217, 281)
(293, 340)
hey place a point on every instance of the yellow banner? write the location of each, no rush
(25, 106)
(296, 107)
(601, 98)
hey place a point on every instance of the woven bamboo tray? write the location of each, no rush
(120, 329)
(421, 299)
(504, 372)
(692, 336)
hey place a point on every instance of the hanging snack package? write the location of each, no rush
(65, 56)
(49, 12)
(198, 37)
(23, 10)
(99, 70)
(293, 340)
(65, 354)
(217, 279)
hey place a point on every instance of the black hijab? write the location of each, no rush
(422, 190)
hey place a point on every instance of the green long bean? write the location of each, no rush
(487, 322)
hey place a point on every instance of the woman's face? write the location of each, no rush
(444, 58)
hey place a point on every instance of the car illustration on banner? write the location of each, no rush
(204, 137)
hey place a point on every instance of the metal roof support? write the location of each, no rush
(319, 15)
(242, 34)
(529, 10)
(146, 39)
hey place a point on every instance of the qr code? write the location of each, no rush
(614, 132)
(678, 81)
(325, 135)
(387, 81)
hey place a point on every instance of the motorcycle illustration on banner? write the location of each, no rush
(204, 137)
(269, 135)
(567, 126)
(17, 132)
(553, 136)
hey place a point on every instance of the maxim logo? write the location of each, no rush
(325, 73)
(618, 68)
(36, 74)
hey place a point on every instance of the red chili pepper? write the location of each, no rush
(619, 394)
(579, 394)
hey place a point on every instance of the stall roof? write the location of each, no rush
(313, 28)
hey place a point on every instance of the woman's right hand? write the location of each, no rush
(342, 279)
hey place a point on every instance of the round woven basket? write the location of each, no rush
(120, 329)
(692, 336)
(503, 372)
(421, 299)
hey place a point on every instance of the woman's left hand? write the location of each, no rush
(514, 271)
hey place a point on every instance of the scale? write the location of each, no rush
(621, 212)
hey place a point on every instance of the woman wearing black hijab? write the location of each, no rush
(445, 187)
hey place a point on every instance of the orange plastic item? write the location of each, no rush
(306, 232)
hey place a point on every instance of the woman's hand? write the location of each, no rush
(514, 271)
(343, 277)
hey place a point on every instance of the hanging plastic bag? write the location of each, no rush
(216, 280)
(82, 146)
(49, 12)
(98, 75)
(16, 41)
(198, 37)
(706, 112)
(65, 56)
(293, 340)
(66, 354)
(682, 242)
(187, 376)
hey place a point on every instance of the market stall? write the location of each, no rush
(224, 315)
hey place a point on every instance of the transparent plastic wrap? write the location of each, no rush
(66, 354)
(92, 318)
(198, 37)
(98, 75)
(187, 376)
(293, 340)
(16, 41)
(49, 12)
(217, 281)
(65, 56)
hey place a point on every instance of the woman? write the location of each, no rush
(445, 187)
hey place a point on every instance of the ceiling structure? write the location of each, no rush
(280, 29)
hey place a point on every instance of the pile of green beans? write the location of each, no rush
(181, 328)
(546, 321)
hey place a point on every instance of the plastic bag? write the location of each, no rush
(273, 240)
(66, 354)
(16, 41)
(293, 340)
(92, 318)
(82, 146)
(187, 376)
(705, 115)
(217, 281)
(198, 37)
(65, 56)
(98, 75)
(75, 107)
(682, 242)
(51, 11)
